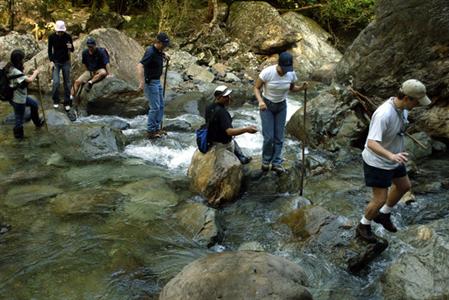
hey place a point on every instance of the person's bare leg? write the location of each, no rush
(379, 198)
(400, 186)
(98, 76)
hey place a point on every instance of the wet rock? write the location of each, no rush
(220, 69)
(14, 40)
(193, 103)
(201, 223)
(148, 199)
(119, 124)
(113, 96)
(313, 49)
(199, 73)
(217, 175)
(56, 160)
(420, 272)
(242, 275)
(408, 198)
(438, 146)
(86, 202)
(22, 195)
(56, 118)
(177, 125)
(307, 221)
(274, 36)
(4, 228)
(251, 246)
(87, 142)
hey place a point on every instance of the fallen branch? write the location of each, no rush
(301, 8)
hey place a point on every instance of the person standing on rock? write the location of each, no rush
(149, 71)
(384, 157)
(275, 81)
(60, 45)
(220, 130)
(19, 82)
(96, 61)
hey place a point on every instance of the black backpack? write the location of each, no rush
(6, 92)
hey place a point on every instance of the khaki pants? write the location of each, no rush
(87, 75)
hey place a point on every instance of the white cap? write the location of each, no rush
(415, 89)
(222, 90)
(60, 26)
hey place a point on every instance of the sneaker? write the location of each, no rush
(278, 169)
(265, 167)
(88, 86)
(55, 106)
(67, 107)
(153, 135)
(365, 233)
(385, 221)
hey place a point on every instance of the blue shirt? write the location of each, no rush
(95, 61)
(152, 62)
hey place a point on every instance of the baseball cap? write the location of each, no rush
(163, 38)
(60, 26)
(91, 41)
(415, 89)
(222, 90)
(286, 62)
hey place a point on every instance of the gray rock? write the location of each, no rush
(200, 73)
(230, 77)
(22, 195)
(274, 36)
(174, 78)
(56, 118)
(14, 40)
(239, 275)
(177, 125)
(415, 150)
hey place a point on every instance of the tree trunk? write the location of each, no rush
(11, 15)
(213, 7)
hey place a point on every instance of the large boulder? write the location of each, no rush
(313, 50)
(239, 275)
(217, 175)
(274, 36)
(124, 53)
(14, 40)
(407, 39)
(420, 272)
(113, 96)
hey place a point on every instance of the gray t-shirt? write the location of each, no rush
(276, 87)
(20, 94)
(387, 124)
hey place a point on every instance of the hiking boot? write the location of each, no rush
(40, 124)
(385, 221)
(365, 233)
(162, 132)
(265, 167)
(88, 86)
(278, 169)
(153, 135)
(245, 159)
(18, 133)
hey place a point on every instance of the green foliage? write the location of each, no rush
(348, 13)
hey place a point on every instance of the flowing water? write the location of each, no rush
(106, 230)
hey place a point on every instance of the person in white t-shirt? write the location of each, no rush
(275, 82)
(384, 157)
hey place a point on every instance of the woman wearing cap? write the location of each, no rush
(19, 82)
(384, 157)
(60, 45)
(275, 81)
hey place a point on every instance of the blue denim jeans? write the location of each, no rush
(154, 94)
(19, 112)
(65, 67)
(273, 124)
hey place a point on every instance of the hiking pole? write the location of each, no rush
(303, 150)
(40, 96)
(165, 86)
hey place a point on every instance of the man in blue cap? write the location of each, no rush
(96, 62)
(149, 71)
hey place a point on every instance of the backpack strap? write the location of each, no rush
(14, 77)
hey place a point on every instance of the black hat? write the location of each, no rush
(163, 38)
(286, 62)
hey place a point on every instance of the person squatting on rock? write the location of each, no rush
(96, 62)
(220, 130)
(275, 81)
(384, 157)
(20, 98)
(60, 45)
(149, 71)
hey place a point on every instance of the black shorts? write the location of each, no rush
(375, 177)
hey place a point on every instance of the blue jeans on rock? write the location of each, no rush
(273, 124)
(19, 112)
(65, 67)
(154, 94)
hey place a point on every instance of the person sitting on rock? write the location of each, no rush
(96, 62)
(60, 45)
(220, 130)
(19, 82)
(384, 157)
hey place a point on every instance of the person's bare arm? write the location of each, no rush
(377, 148)
(140, 75)
(241, 130)
(257, 87)
(296, 88)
